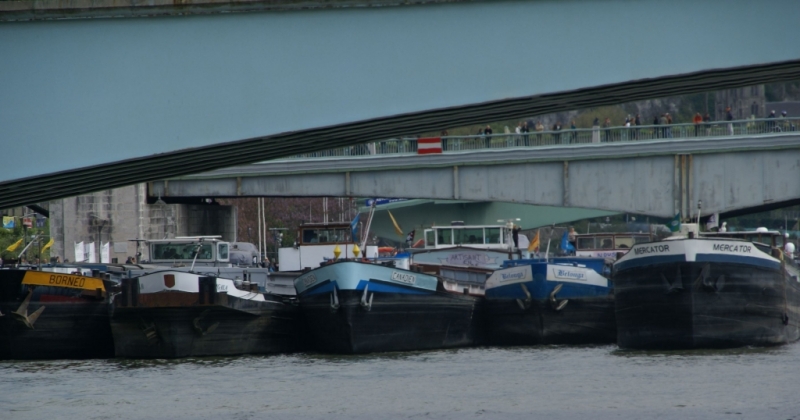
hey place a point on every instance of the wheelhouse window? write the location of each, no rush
(586, 242)
(494, 236)
(222, 251)
(471, 236)
(325, 235)
(430, 237)
(169, 251)
(444, 236)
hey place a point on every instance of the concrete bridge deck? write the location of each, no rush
(658, 177)
(113, 102)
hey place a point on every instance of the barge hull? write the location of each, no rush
(581, 321)
(394, 322)
(73, 325)
(679, 306)
(212, 330)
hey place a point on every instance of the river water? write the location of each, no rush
(476, 383)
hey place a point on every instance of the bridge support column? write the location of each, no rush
(455, 183)
(566, 183)
(683, 185)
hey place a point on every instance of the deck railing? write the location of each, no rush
(568, 137)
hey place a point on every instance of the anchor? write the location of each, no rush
(199, 329)
(676, 286)
(149, 331)
(705, 281)
(553, 302)
(364, 303)
(21, 314)
(524, 304)
(334, 301)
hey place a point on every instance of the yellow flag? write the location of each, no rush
(48, 245)
(14, 246)
(397, 228)
(534, 244)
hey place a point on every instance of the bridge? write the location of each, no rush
(650, 170)
(98, 102)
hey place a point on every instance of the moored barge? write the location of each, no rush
(204, 306)
(59, 314)
(561, 301)
(361, 307)
(709, 290)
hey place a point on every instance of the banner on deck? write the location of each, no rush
(429, 145)
(105, 253)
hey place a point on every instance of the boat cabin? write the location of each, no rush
(209, 250)
(475, 236)
(607, 245)
(316, 243)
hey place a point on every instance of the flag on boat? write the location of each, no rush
(428, 145)
(354, 228)
(713, 221)
(533, 246)
(14, 246)
(675, 224)
(48, 245)
(565, 245)
(397, 228)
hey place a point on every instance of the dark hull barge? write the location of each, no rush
(51, 315)
(353, 307)
(534, 302)
(708, 292)
(171, 314)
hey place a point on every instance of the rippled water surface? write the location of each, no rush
(516, 383)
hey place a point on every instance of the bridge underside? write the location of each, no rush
(101, 103)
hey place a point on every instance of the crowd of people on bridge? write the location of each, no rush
(632, 128)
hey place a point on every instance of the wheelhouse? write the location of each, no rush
(483, 236)
(607, 245)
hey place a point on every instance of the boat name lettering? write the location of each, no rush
(63, 280)
(653, 249)
(222, 288)
(471, 260)
(404, 278)
(566, 274)
(512, 276)
(308, 281)
(745, 249)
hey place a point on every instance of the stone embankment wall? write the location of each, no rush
(119, 215)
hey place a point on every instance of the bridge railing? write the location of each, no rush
(567, 137)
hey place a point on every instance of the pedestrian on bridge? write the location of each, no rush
(557, 132)
(697, 120)
(668, 129)
(573, 127)
(707, 122)
(540, 130)
(525, 130)
(637, 122)
(487, 132)
(607, 129)
(729, 118)
(771, 126)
